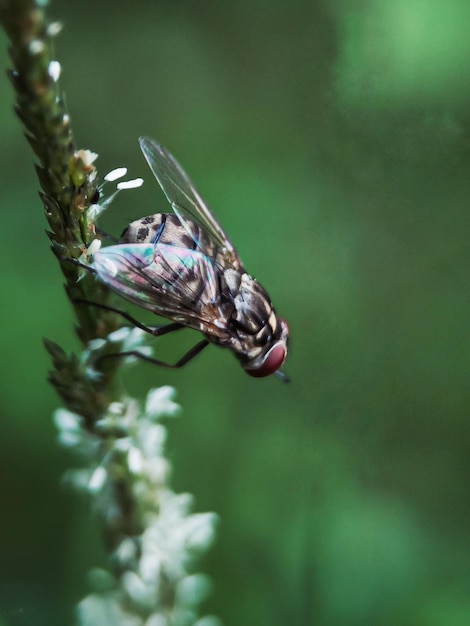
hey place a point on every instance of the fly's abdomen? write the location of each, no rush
(166, 228)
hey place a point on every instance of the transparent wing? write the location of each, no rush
(168, 280)
(181, 192)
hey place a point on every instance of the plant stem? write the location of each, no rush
(152, 538)
(69, 182)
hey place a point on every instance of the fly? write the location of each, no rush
(182, 266)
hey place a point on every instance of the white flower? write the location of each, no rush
(151, 566)
(67, 421)
(135, 183)
(116, 408)
(158, 470)
(54, 70)
(160, 402)
(123, 444)
(208, 620)
(126, 552)
(69, 439)
(37, 46)
(131, 338)
(54, 28)
(115, 174)
(98, 479)
(94, 246)
(86, 156)
(121, 334)
(137, 590)
(157, 619)
(200, 530)
(95, 344)
(176, 506)
(152, 438)
(192, 590)
(135, 460)
(95, 210)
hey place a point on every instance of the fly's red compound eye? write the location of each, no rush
(273, 361)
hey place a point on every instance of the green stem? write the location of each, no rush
(152, 538)
(69, 182)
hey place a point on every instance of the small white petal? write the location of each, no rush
(152, 438)
(69, 439)
(121, 334)
(91, 610)
(106, 424)
(201, 530)
(98, 479)
(135, 337)
(160, 402)
(67, 421)
(36, 46)
(158, 470)
(208, 620)
(54, 28)
(130, 184)
(93, 374)
(94, 246)
(54, 70)
(87, 156)
(133, 584)
(137, 590)
(95, 344)
(115, 174)
(126, 551)
(123, 445)
(150, 566)
(135, 461)
(116, 408)
(176, 506)
(192, 590)
(157, 619)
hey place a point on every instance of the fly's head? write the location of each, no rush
(273, 354)
(262, 336)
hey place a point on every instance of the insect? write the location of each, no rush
(182, 266)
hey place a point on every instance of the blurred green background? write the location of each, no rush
(332, 140)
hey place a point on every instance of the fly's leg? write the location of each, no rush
(156, 331)
(77, 263)
(188, 356)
